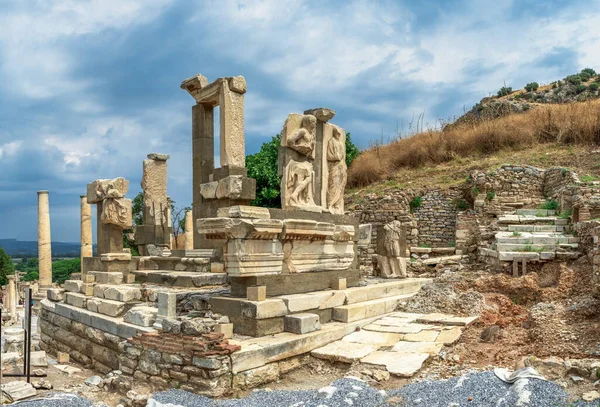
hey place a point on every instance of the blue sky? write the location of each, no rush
(89, 88)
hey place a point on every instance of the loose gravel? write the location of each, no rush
(472, 390)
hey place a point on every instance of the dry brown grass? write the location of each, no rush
(575, 123)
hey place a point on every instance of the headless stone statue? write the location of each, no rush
(391, 249)
(336, 158)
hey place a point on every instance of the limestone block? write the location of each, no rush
(39, 359)
(102, 189)
(450, 336)
(123, 294)
(299, 134)
(76, 299)
(307, 229)
(398, 364)
(228, 228)
(92, 304)
(167, 304)
(343, 233)
(10, 358)
(315, 300)
(433, 348)
(269, 308)
(244, 211)
(73, 286)
(236, 187)
(364, 234)
(141, 316)
(18, 390)
(117, 211)
(62, 357)
(55, 294)
(257, 293)
(154, 184)
(323, 114)
(87, 289)
(237, 84)
(346, 352)
(301, 323)
(297, 185)
(373, 338)
(339, 284)
(158, 156)
(303, 255)
(111, 308)
(225, 329)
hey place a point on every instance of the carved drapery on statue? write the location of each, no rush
(391, 249)
(337, 177)
(312, 162)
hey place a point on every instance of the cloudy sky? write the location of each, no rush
(89, 88)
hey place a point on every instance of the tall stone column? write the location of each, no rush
(189, 230)
(12, 296)
(203, 160)
(86, 229)
(44, 240)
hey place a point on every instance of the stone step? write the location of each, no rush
(387, 289)
(368, 309)
(76, 299)
(535, 212)
(535, 228)
(510, 256)
(107, 277)
(508, 219)
(535, 238)
(111, 308)
(180, 278)
(302, 323)
(442, 259)
(121, 293)
(508, 247)
(141, 315)
(434, 250)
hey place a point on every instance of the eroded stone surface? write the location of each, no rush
(399, 364)
(342, 351)
(102, 189)
(373, 338)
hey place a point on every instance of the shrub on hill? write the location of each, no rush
(573, 123)
(505, 90)
(532, 86)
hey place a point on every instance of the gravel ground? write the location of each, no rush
(473, 390)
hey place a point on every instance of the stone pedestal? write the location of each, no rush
(44, 240)
(86, 229)
(13, 340)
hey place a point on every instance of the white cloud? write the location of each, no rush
(11, 148)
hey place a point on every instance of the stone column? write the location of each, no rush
(44, 239)
(170, 222)
(86, 229)
(12, 296)
(189, 230)
(203, 159)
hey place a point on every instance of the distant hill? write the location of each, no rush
(19, 248)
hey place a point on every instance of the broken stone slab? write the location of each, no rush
(236, 187)
(55, 294)
(208, 190)
(423, 336)
(433, 348)
(18, 390)
(67, 369)
(39, 359)
(347, 352)
(141, 316)
(301, 323)
(398, 364)
(73, 286)
(323, 114)
(373, 338)
(244, 211)
(446, 319)
(102, 189)
(11, 358)
(117, 211)
(399, 329)
(110, 307)
(449, 336)
(158, 156)
(123, 294)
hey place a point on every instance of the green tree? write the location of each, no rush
(532, 86)
(6, 266)
(262, 166)
(62, 269)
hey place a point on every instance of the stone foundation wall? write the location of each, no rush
(510, 184)
(467, 232)
(86, 345)
(200, 364)
(436, 217)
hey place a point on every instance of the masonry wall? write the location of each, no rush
(436, 217)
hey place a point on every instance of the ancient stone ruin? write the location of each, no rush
(254, 290)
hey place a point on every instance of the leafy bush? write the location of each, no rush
(490, 195)
(505, 90)
(551, 205)
(565, 214)
(585, 76)
(564, 172)
(594, 87)
(461, 204)
(415, 203)
(532, 86)
(588, 178)
(574, 79)
(580, 88)
(588, 71)
(475, 191)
